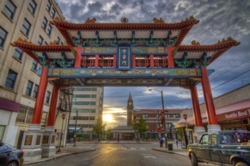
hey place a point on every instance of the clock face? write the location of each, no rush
(129, 103)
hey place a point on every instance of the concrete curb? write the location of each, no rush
(171, 152)
(52, 158)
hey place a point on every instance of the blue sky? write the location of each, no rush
(218, 20)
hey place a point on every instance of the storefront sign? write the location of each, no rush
(234, 115)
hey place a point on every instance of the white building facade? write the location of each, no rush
(88, 102)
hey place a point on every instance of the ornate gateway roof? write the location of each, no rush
(120, 31)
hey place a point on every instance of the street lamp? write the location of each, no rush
(185, 117)
(63, 117)
(164, 122)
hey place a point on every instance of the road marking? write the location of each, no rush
(148, 156)
(121, 148)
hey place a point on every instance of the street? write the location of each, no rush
(121, 154)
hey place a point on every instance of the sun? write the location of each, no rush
(108, 118)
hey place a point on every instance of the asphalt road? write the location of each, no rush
(121, 155)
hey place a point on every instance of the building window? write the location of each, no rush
(44, 24)
(34, 65)
(176, 116)
(145, 116)
(32, 6)
(59, 102)
(84, 103)
(45, 43)
(18, 53)
(53, 13)
(3, 35)
(29, 88)
(9, 9)
(84, 96)
(47, 97)
(49, 30)
(2, 130)
(40, 40)
(11, 79)
(84, 110)
(26, 27)
(61, 43)
(48, 6)
(35, 91)
(91, 118)
(167, 116)
(84, 89)
(58, 40)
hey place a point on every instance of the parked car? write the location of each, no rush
(10, 156)
(224, 147)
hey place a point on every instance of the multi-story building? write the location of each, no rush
(153, 121)
(29, 20)
(88, 102)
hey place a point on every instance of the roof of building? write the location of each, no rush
(245, 104)
(123, 128)
(154, 110)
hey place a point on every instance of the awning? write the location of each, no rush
(233, 111)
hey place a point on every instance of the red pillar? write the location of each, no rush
(78, 57)
(96, 61)
(133, 61)
(152, 61)
(53, 106)
(114, 61)
(38, 110)
(211, 115)
(196, 106)
(170, 57)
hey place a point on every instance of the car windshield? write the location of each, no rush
(234, 137)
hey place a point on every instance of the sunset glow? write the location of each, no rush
(108, 118)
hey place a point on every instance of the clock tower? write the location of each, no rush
(130, 107)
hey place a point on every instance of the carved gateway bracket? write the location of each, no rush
(90, 21)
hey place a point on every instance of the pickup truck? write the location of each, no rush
(222, 148)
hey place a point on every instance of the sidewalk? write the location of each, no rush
(176, 150)
(67, 150)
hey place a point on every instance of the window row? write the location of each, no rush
(10, 9)
(84, 96)
(84, 110)
(84, 103)
(84, 89)
(83, 125)
(166, 116)
(10, 82)
(82, 118)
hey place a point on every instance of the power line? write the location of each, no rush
(230, 70)
(231, 79)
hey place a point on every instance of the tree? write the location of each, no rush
(98, 127)
(141, 126)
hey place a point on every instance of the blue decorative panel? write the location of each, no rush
(124, 57)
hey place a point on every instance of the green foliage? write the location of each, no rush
(141, 126)
(98, 127)
(178, 131)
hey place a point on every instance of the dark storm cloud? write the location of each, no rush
(218, 20)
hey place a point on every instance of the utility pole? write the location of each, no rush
(164, 123)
